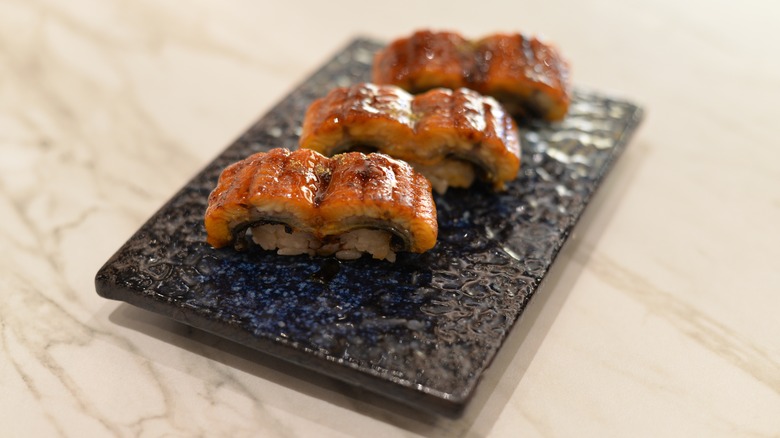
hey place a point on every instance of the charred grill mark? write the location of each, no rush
(350, 191)
(323, 174)
(510, 67)
(422, 130)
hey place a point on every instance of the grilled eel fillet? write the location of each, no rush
(526, 75)
(441, 127)
(322, 196)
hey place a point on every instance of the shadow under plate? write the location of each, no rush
(421, 330)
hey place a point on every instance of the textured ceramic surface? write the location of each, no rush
(421, 330)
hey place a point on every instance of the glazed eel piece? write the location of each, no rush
(304, 203)
(528, 76)
(450, 136)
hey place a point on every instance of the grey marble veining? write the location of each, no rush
(660, 320)
(421, 330)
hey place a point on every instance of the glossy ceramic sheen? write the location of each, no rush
(421, 330)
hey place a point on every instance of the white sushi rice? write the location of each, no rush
(448, 173)
(348, 246)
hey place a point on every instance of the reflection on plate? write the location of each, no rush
(421, 330)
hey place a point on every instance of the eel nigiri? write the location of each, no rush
(302, 202)
(527, 75)
(450, 136)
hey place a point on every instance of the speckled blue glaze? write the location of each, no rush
(421, 330)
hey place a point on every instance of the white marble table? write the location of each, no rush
(661, 320)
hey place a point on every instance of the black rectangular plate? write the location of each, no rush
(421, 330)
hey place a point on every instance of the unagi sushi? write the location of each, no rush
(528, 76)
(302, 202)
(450, 136)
